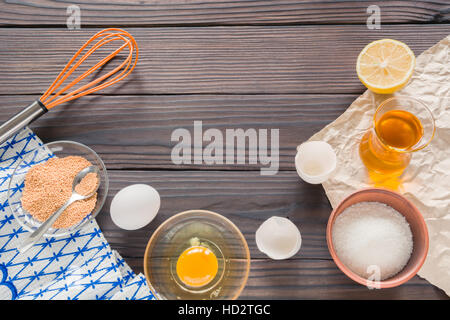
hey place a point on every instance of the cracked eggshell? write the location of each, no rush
(135, 206)
(278, 238)
(315, 161)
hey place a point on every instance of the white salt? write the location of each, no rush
(371, 234)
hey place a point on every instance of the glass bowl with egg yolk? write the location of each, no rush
(197, 254)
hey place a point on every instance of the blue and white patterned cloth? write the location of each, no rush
(75, 267)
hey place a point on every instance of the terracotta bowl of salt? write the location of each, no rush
(416, 223)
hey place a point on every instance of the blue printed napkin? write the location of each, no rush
(80, 266)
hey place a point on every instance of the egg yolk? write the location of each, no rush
(197, 266)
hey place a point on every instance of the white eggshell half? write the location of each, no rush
(278, 238)
(135, 206)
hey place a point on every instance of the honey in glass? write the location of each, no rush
(402, 125)
(399, 129)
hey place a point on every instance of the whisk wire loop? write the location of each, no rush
(51, 98)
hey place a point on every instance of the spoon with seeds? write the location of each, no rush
(77, 186)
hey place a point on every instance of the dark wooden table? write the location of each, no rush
(232, 64)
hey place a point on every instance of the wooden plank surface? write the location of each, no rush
(211, 12)
(232, 64)
(247, 199)
(316, 279)
(237, 60)
(132, 132)
(321, 279)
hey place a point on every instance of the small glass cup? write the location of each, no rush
(383, 158)
(211, 230)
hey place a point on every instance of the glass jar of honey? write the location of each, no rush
(401, 126)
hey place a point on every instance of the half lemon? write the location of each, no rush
(386, 65)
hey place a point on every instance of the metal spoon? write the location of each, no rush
(37, 234)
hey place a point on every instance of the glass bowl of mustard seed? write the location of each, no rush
(42, 182)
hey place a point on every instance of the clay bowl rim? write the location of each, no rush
(384, 284)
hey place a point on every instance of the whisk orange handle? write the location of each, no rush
(52, 97)
(56, 95)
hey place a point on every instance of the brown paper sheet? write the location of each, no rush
(426, 182)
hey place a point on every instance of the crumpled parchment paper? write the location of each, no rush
(426, 182)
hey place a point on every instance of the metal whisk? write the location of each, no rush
(58, 92)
